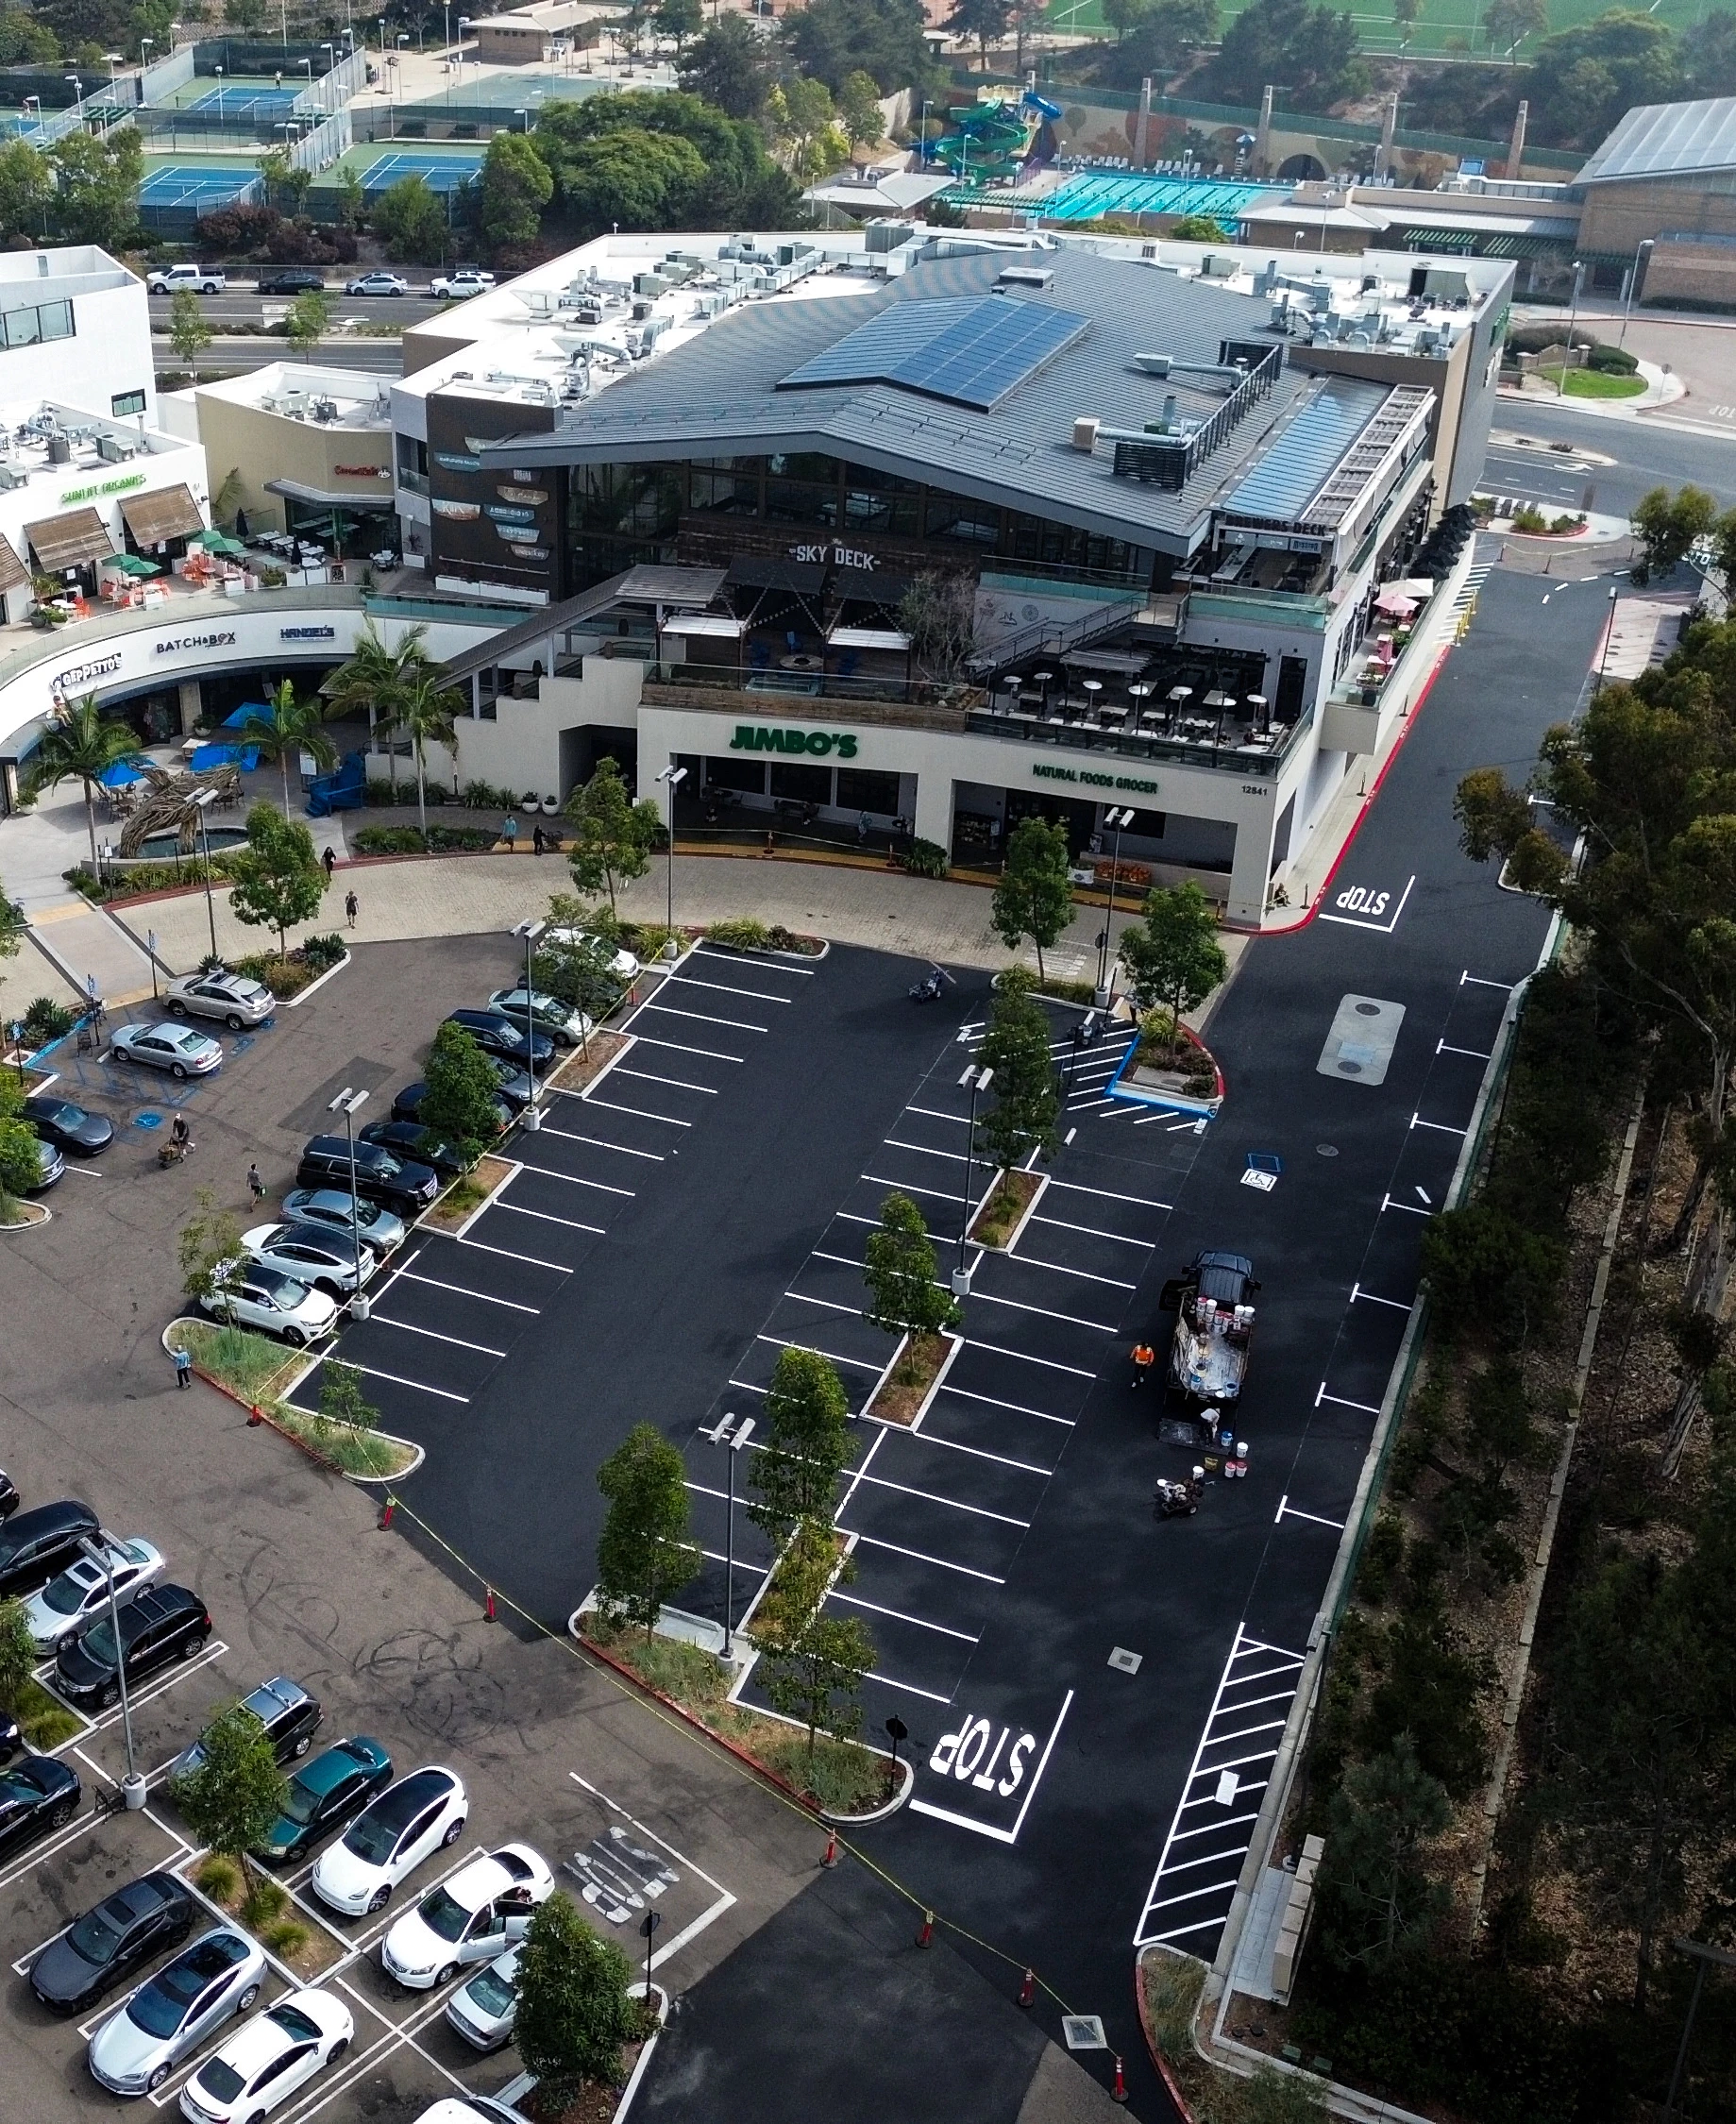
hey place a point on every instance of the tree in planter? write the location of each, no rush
(189, 334)
(1377, 1900)
(79, 745)
(613, 836)
(807, 1443)
(1173, 955)
(372, 684)
(342, 1400)
(575, 2011)
(811, 1664)
(208, 1249)
(643, 1554)
(292, 728)
(1035, 897)
(20, 1151)
(309, 321)
(938, 613)
(278, 878)
(462, 1100)
(18, 1655)
(903, 1296)
(1027, 1093)
(428, 710)
(231, 1798)
(1667, 525)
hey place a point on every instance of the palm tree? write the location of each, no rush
(372, 684)
(294, 727)
(428, 709)
(79, 746)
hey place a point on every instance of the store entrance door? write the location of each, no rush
(1080, 820)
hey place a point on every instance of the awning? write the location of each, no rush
(293, 490)
(165, 513)
(246, 757)
(868, 637)
(13, 573)
(714, 623)
(69, 541)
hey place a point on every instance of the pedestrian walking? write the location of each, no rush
(539, 840)
(183, 1368)
(256, 1187)
(330, 860)
(508, 834)
(862, 829)
(352, 907)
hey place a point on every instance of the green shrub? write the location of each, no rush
(286, 1937)
(1486, 1271)
(219, 1877)
(323, 952)
(926, 859)
(382, 793)
(283, 977)
(741, 932)
(47, 1020)
(1612, 361)
(407, 840)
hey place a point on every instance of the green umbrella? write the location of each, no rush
(133, 564)
(214, 541)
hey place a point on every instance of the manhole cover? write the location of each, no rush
(1368, 1010)
(1126, 1662)
(147, 1120)
(1325, 1150)
(1351, 1069)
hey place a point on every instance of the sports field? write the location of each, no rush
(201, 185)
(271, 93)
(383, 163)
(1444, 29)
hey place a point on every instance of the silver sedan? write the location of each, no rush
(176, 1048)
(238, 1001)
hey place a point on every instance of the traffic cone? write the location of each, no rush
(255, 1418)
(1027, 1991)
(1118, 2092)
(385, 1514)
(925, 1936)
(831, 1857)
(488, 1609)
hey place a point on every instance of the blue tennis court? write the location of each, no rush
(196, 185)
(444, 171)
(243, 102)
(1086, 196)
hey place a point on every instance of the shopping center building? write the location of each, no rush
(946, 532)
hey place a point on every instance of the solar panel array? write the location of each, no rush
(970, 350)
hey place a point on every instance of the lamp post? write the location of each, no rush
(674, 776)
(76, 86)
(1119, 821)
(219, 74)
(1635, 273)
(1608, 635)
(648, 1925)
(132, 1785)
(202, 803)
(974, 1080)
(1572, 313)
(734, 1440)
(348, 1103)
(531, 1117)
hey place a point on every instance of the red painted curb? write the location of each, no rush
(257, 1409)
(1171, 2085)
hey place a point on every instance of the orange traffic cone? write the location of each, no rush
(831, 1857)
(1027, 1991)
(925, 1936)
(385, 1514)
(1118, 2092)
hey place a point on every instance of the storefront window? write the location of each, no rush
(746, 775)
(786, 502)
(628, 500)
(972, 523)
(882, 483)
(861, 789)
(804, 465)
(725, 493)
(803, 784)
(886, 516)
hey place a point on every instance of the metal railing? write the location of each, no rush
(1254, 763)
(1044, 637)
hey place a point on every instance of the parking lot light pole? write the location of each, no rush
(974, 1080)
(132, 1785)
(674, 776)
(1119, 820)
(648, 1925)
(202, 803)
(734, 1440)
(531, 1117)
(348, 1103)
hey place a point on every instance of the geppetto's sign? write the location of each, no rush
(82, 674)
(1088, 779)
(820, 744)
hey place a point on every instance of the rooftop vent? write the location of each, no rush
(1154, 365)
(1085, 432)
(1026, 277)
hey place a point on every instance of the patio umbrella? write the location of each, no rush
(132, 563)
(119, 775)
(214, 756)
(214, 541)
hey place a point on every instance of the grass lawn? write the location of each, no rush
(247, 1363)
(1594, 384)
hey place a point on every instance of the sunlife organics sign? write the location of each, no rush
(820, 744)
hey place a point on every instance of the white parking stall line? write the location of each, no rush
(1287, 1510)
(896, 1143)
(675, 1084)
(1362, 1407)
(1229, 1821)
(1017, 1407)
(1090, 1231)
(137, 1699)
(1386, 1203)
(1369, 1298)
(704, 1017)
(600, 1142)
(434, 1283)
(831, 1304)
(859, 1364)
(929, 1497)
(1085, 1105)
(1242, 1785)
(1109, 1194)
(639, 1113)
(726, 989)
(842, 1260)
(860, 1470)
(765, 966)
(1084, 1275)
(1441, 1128)
(1211, 1859)
(976, 1452)
(373, 1371)
(458, 1341)
(918, 1555)
(747, 1387)
(1018, 1305)
(1049, 1364)
(934, 1113)
(1193, 1895)
(909, 1188)
(1475, 1053)
(573, 1180)
(506, 1254)
(897, 1615)
(1247, 1733)
(675, 1047)
(546, 1217)
(904, 1687)
(1471, 980)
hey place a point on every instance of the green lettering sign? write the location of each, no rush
(815, 744)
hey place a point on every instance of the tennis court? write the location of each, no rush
(443, 170)
(197, 185)
(241, 100)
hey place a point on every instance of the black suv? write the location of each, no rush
(162, 1622)
(289, 1713)
(292, 279)
(36, 1545)
(393, 1183)
(106, 1945)
(495, 1033)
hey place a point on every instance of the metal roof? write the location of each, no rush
(1662, 139)
(1304, 456)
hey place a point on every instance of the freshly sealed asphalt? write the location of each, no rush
(707, 1202)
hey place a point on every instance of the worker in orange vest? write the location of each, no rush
(1145, 1356)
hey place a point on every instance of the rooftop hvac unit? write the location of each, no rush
(59, 450)
(1161, 462)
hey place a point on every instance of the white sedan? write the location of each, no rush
(268, 2059)
(484, 2010)
(248, 1295)
(390, 1838)
(67, 1604)
(323, 1258)
(485, 1906)
(613, 958)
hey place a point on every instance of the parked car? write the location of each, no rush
(390, 1838)
(165, 1623)
(483, 2009)
(460, 287)
(408, 1104)
(472, 2109)
(376, 284)
(409, 1140)
(337, 1210)
(292, 279)
(611, 957)
(290, 1714)
(68, 1127)
(483, 1908)
(564, 1024)
(50, 1167)
(396, 1184)
(200, 279)
(8, 1496)
(254, 1296)
(138, 2046)
(495, 1033)
(324, 1795)
(36, 1545)
(176, 1048)
(315, 1254)
(108, 1944)
(12, 1738)
(38, 1795)
(235, 998)
(266, 2061)
(70, 1602)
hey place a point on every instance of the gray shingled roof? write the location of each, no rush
(1662, 139)
(718, 395)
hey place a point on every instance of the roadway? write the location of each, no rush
(234, 355)
(1620, 460)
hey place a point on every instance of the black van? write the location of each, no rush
(396, 1184)
(36, 1545)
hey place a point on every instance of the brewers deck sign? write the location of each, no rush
(819, 744)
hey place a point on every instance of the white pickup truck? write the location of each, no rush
(200, 279)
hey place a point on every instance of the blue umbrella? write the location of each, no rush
(214, 756)
(119, 775)
(251, 712)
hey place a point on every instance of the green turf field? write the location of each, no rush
(1446, 28)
